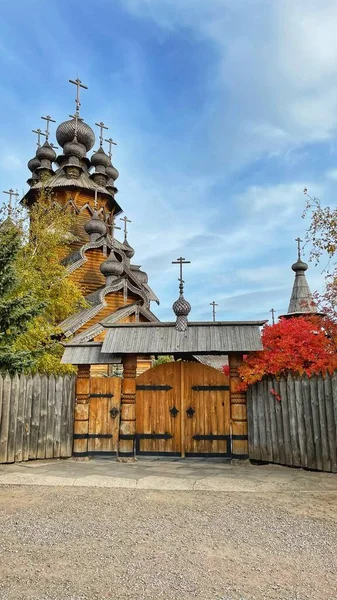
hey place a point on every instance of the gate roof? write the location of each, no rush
(199, 338)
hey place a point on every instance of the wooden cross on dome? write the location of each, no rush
(272, 310)
(110, 142)
(101, 126)
(79, 85)
(181, 261)
(49, 120)
(126, 221)
(213, 304)
(298, 240)
(11, 195)
(39, 133)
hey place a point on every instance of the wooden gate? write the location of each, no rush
(104, 415)
(183, 408)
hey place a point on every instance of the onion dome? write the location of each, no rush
(299, 265)
(33, 164)
(111, 268)
(100, 159)
(46, 153)
(74, 148)
(129, 252)
(66, 133)
(112, 172)
(181, 309)
(95, 227)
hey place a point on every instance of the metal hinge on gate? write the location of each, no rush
(198, 437)
(101, 395)
(91, 436)
(210, 388)
(154, 388)
(154, 436)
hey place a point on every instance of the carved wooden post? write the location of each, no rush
(127, 430)
(238, 408)
(81, 422)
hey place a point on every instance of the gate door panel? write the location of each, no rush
(207, 411)
(158, 418)
(183, 408)
(104, 414)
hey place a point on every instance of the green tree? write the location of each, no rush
(39, 268)
(18, 308)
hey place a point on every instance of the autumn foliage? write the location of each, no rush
(301, 345)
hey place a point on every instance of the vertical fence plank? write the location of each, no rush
(330, 421)
(283, 392)
(250, 423)
(262, 421)
(50, 417)
(308, 424)
(279, 424)
(300, 422)
(71, 409)
(41, 442)
(27, 419)
(293, 422)
(323, 424)
(35, 420)
(64, 416)
(58, 416)
(257, 447)
(6, 402)
(20, 418)
(269, 443)
(334, 399)
(13, 415)
(315, 421)
(1, 389)
(273, 426)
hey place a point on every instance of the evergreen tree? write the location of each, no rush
(16, 309)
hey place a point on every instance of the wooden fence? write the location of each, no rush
(293, 421)
(36, 417)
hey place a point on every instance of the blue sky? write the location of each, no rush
(223, 111)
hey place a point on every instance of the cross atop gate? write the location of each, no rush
(181, 261)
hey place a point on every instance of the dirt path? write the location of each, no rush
(95, 543)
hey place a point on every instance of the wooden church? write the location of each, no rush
(115, 289)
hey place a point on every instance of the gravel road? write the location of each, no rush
(88, 544)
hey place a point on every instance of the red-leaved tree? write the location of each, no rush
(301, 345)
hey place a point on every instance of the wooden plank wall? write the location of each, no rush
(36, 417)
(298, 430)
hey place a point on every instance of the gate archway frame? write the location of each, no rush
(124, 342)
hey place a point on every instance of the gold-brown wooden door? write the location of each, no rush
(158, 419)
(183, 408)
(104, 415)
(206, 405)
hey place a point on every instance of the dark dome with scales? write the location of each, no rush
(99, 158)
(181, 307)
(95, 227)
(46, 152)
(33, 164)
(111, 171)
(66, 133)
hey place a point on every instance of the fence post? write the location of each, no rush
(82, 404)
(238, 408)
